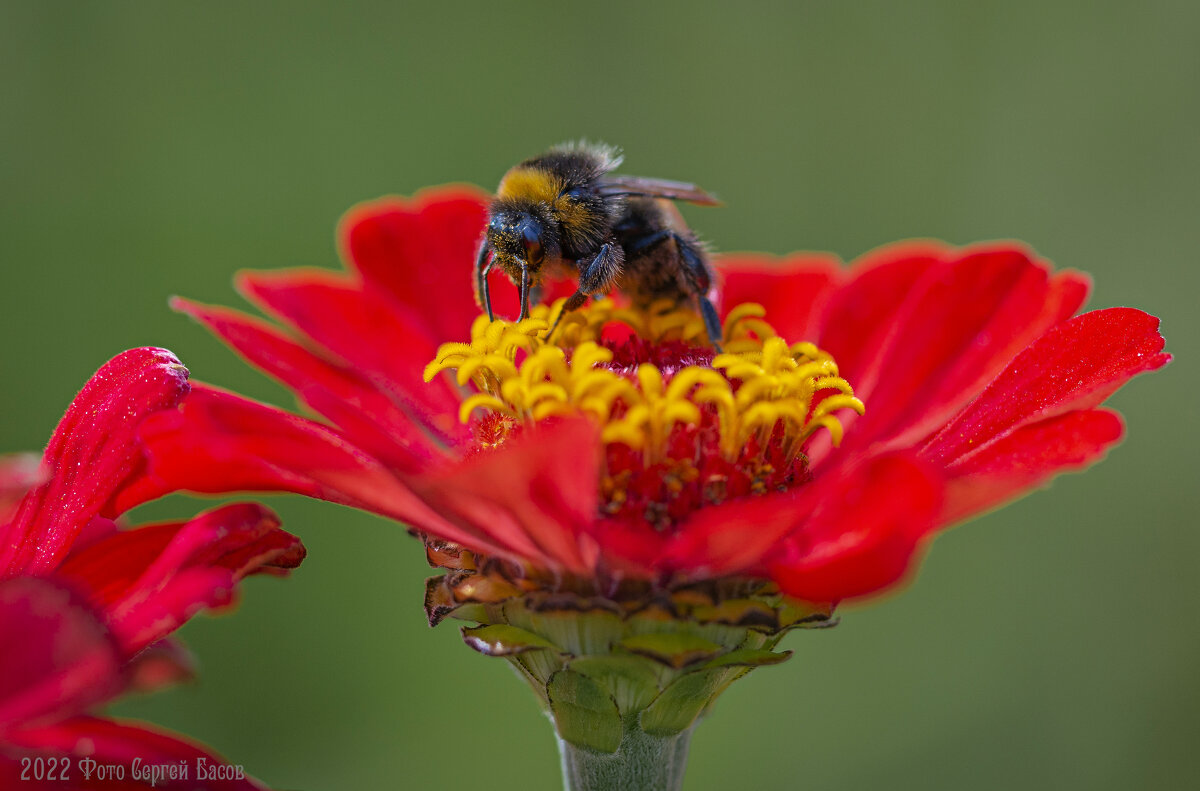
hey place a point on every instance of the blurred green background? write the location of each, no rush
(151, 149)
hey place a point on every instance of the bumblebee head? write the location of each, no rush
(521, 241)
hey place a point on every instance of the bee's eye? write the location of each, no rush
(532, 242)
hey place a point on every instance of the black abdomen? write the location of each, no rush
(663, 258)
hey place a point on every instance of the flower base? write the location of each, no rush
(642, 763)
(625, 676)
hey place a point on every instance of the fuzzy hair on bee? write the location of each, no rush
(558, 188)
(564, 213)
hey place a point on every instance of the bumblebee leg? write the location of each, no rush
(697, 272)
(650, 240)
(712, 322)
(524, 293)
(702, 278)
(482, 267)
(595, 277)
(574, 302)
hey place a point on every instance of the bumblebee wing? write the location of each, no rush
(656, 188)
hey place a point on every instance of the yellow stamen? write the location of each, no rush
(759, 386)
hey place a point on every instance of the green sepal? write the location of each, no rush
(479, 613)
(630, 679)
(584, 713)
(799, 615)
(504, 640)
(675, 649)
(678, 706)
(749, 657)
(606, 670)
(749, 613)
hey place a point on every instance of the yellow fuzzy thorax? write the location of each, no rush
(759, 386)
(529, 185)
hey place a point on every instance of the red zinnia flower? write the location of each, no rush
(979, 381)
(85, 603)
(631, 518)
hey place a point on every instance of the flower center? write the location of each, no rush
(681, 427)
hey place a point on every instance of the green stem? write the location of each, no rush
(642, 763)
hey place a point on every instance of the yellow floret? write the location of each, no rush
(757, 385)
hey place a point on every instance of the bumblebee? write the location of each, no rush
(563, 214)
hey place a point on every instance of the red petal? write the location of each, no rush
(633, 549)
(1010, 302)
(19, 472)
(862, 533)
(110, 742)
(56, 658)
(421, 253)
(92, 454)
(98, 529)
(1076, 365)
(791, 289)
(367, 333)
(148, 581)
(369, 416)
(163, 664)
(1028, 457)
(532, 496)
(735, 536)
(859, 314)
(217, 442)
(959, 324)
(743, 534)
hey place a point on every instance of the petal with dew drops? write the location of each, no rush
(149, 580)
(92, 455)
(960, 325)
(1074, 366)
(1027, 458)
